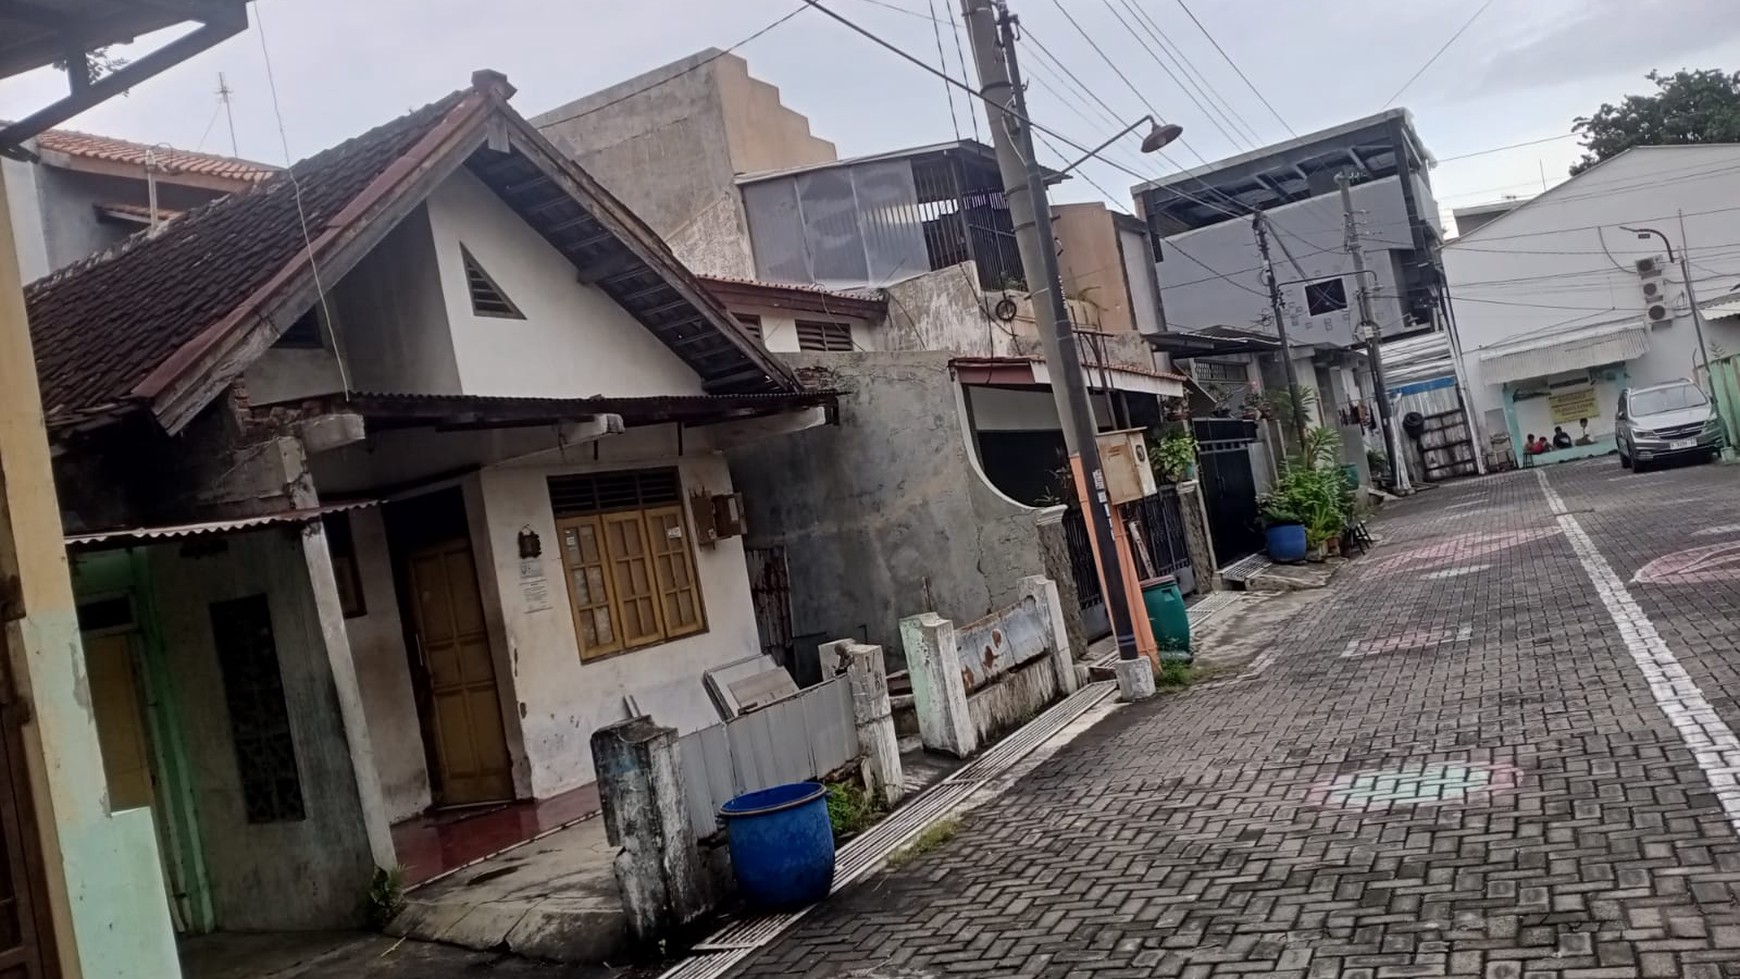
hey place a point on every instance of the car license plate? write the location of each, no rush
(1682, 444)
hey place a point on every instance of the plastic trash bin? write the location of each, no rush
(782, 846)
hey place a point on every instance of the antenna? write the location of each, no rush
(223, 93)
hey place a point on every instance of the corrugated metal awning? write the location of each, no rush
(1721, 310)
(1557, 354)
(117, 538)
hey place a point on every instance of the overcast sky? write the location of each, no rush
(1522, 71)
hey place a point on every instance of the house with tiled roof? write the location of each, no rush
(388, 480)
(78, 193)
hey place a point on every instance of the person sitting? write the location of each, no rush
(1561, 438)
(1531, 446)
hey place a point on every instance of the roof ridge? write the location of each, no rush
(164, 145)
(285, 176)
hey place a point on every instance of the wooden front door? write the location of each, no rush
(462, 710)
(120, 714)
(26, 934)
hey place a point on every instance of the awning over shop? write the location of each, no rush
(1024, 371)
(1564, 352)
(139, 535)
(1726, 309)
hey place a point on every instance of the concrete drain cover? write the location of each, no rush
(1419, 785)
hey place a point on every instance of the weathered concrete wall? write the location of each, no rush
(944, 310)
(383, 673)
(1088, 258)
(671, 142)
(885, 514)
(68, 202)
(307, 873)
(1013, 700)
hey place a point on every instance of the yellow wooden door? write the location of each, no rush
(120, 713)
(463, 710)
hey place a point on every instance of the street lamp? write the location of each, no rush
(1709, 384)
(1158, 138)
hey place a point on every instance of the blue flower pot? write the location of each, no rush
(1286, 542)
(782, 846)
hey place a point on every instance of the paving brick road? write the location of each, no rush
(1499, 748)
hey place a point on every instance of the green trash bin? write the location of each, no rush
(1166, 615)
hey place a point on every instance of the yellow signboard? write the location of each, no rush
(1571, 405)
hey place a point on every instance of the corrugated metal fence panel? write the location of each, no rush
(1003, 640)
(792, 740)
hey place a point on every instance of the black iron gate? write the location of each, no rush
(1163, 549)
(1229, 486)
(770, 591)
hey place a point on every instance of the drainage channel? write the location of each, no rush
(720, 951)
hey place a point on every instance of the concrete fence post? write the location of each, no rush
(867, 675)
(939, 694)
(640, 789)
(1044, 591)
(1198, 544)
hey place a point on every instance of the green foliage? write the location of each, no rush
(1379, 463)
(1687, 107)
(933, 836)
(850, 809)
(386, 896)
(1172, 456)
(1174, 676)
(1312, 490)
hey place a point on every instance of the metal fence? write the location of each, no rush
(1160, 518)
(804, 736)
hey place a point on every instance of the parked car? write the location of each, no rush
(1665, 421)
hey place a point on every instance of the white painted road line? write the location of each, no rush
(1712, 742)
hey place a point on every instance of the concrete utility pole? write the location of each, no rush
(1259, 224)
(1368, 327)
(991, 30)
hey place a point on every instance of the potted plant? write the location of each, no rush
(1173, 456)
(1309, 504)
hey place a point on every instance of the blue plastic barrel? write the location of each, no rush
(782, 847)
(1286, 542)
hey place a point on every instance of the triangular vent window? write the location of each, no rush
(487, 299)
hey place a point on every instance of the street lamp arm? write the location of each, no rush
(1646, 232)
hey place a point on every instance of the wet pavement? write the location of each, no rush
(1501, 745)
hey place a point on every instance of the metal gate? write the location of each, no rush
(770, 591)
(1160, 518)
(1229, 487)
(1094, 619)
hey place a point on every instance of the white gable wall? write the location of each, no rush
(575, 341)
(1546, 269)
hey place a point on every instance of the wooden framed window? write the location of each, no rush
(825, 336)
(342, 548)
(628, 558)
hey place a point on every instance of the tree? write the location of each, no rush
(1687, 107)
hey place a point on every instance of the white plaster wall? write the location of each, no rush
(1560, 263)
(18, 183)
(575, 341)
(377, 646)
(779, 328)
(561, 701)
(1196, 297)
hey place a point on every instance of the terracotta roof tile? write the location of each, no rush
(102, 325)
(172, 160)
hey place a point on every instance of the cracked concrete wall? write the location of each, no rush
(886, 514)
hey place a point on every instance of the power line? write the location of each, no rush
(1438, 54)
(1232, 140)
(1190, 70)
(943, 63)
(1512, 146)
(973, 108)
(1235, 67)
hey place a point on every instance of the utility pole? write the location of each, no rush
(991, 31)
(1368, 327)
(1259, 224)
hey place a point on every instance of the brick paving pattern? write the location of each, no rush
(1451, 766)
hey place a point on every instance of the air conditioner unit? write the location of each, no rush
(1659, 313)
(1650, 266)
(1655, 290)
